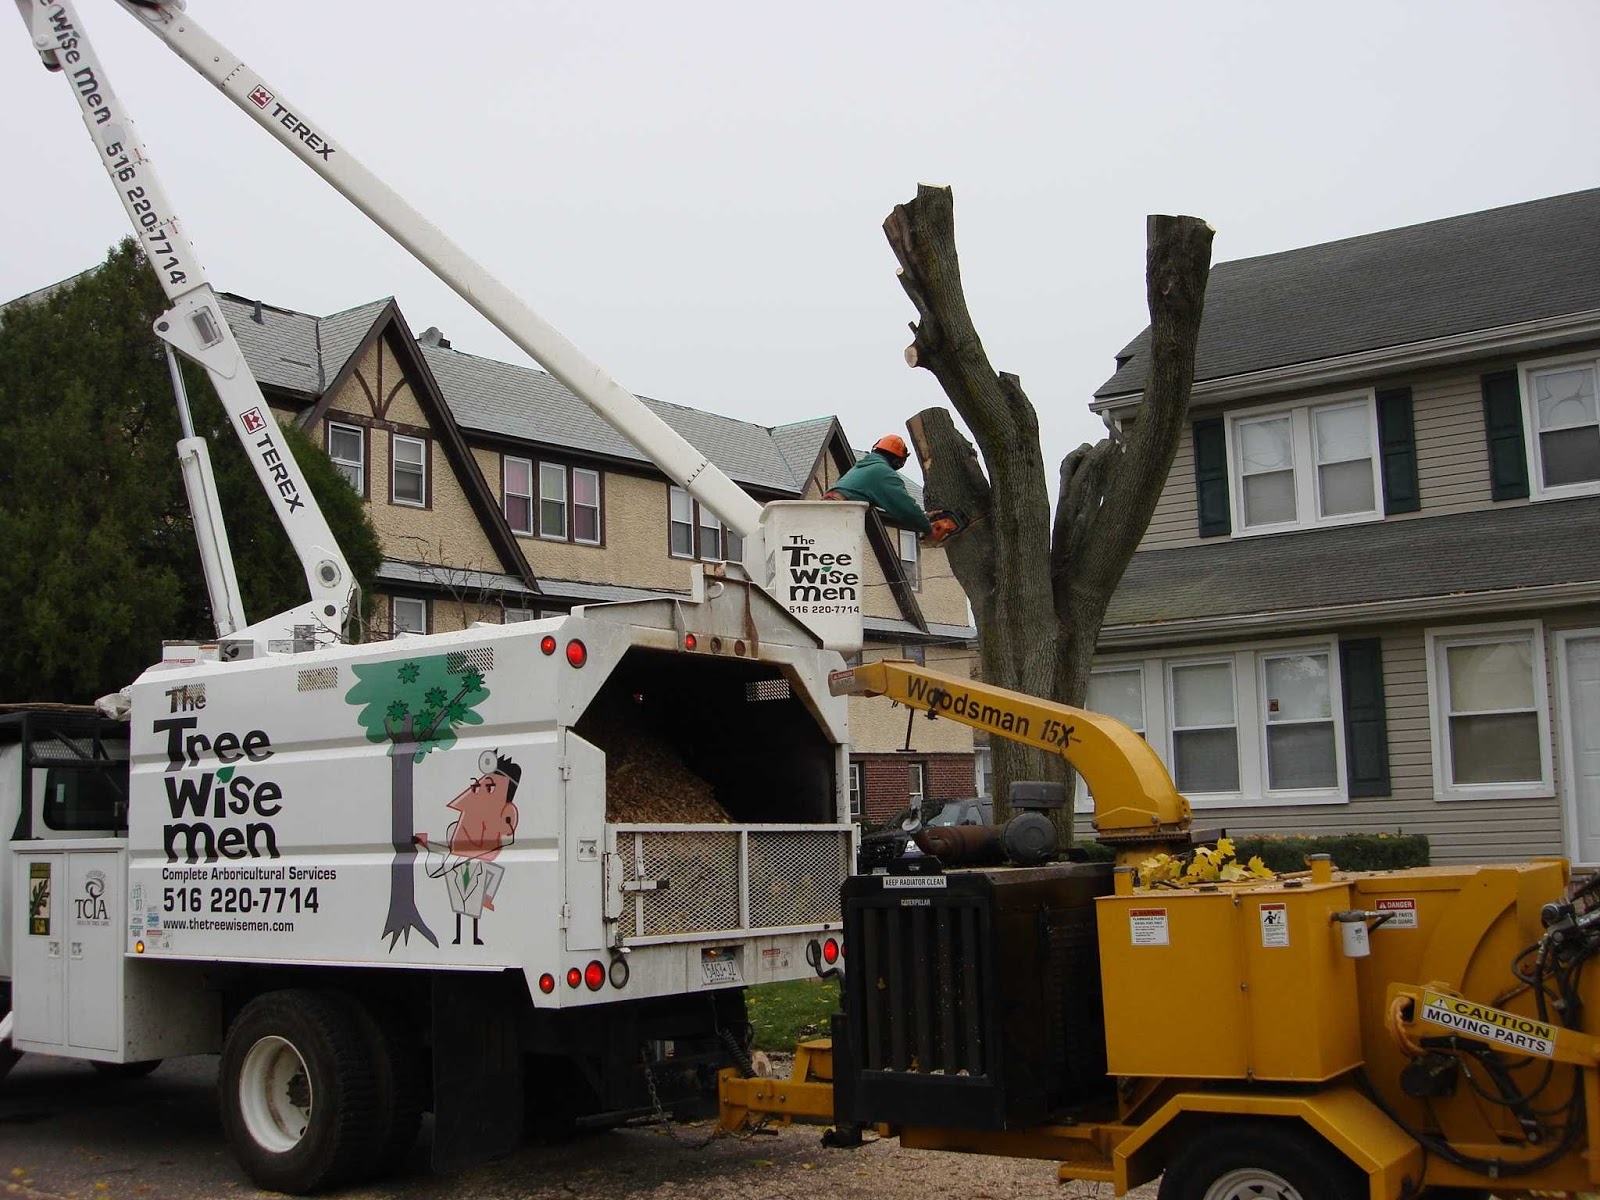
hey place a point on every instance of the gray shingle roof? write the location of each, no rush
(1490, 550)
(1481, 271)
(281, 347)
(801, 444)
(522, 403)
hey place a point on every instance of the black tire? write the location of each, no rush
(1259, 1160)
(400, 1074)
(127, 1070)
(289, 1046)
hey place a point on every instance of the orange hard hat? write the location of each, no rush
(892, 443)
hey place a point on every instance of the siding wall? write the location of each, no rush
(1452, 455)
(877, 725)
(1487, 830)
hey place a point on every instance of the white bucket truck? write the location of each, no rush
(380, 878)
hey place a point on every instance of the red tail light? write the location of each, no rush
(594, 975)
(830, 952)
(574, 977)
(577, 653)
(738, 647)
(690, 642)
(547, 983)
(547, 644)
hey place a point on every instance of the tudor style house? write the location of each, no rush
(500, 496)
(1369, 598)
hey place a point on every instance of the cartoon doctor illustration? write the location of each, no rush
(486, 826)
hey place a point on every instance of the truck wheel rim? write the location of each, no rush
(275, 1095)
(1252, 1183)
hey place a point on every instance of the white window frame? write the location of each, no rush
(730, 545)
(1335, 714)
(1530, 427)
(911, 564)
(1437, 642)
(506, 494)
(395, 440)
(360, 464)
(858, 792)
(565, 499)
(394, 612)
(574, 506)
(1249, 713)
(1308, 493)
(1083, 802)
(917, 796)
(1170, 695)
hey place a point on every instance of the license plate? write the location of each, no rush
(719, 966)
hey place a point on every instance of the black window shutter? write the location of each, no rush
(1397, 438)
(1366, 732)
(1211, 478)
(1502, 416)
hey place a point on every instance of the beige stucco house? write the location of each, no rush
(500, 496)
(1370, 595)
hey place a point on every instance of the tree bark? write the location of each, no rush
(1039, 587)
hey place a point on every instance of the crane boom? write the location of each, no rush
(1134, 797)
(310, 142)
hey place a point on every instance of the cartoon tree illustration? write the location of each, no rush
(415, 705)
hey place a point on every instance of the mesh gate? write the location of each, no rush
(678, 881)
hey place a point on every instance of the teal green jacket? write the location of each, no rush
(874, 480)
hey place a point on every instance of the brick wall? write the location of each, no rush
(887, 780)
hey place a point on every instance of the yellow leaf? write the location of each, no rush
(1225, 847)
(1233, 872)
(1260, 869)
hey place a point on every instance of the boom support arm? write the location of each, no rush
(1134, 797)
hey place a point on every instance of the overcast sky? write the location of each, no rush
(693, 192)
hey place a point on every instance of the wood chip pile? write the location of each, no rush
(647, 782)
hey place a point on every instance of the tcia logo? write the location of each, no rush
(260, 97)
(253, 421)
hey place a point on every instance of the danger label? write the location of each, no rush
(1148, 926)
(1401, 911)
(1274, 924)
(1489, 1024)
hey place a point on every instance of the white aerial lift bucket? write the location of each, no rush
(814, 566)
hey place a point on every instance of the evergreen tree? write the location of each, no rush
(100, 563)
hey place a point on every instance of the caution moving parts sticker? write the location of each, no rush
(1489, 1024)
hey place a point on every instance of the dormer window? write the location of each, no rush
(1314, 464)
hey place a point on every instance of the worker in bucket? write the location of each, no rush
(875, 480)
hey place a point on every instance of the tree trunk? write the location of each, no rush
(403, 915)
(1040, 588)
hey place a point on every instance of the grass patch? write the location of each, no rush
(785, 1013)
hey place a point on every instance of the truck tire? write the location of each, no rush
(299, 1101)
(127, 1070)
(400, 1077)
(1260, 1160)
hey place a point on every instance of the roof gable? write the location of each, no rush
(1481, 271)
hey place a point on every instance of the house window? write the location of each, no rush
(1249, 724)
(1297, 709)
(917, 778)
(856, 798)
(1205, 727)
(1490, 710)
(695, 532)
(1117, 692)
(410, 614)
(553, 501)
(347, 446)
(1563, 411)
(408, 470)
(908, 558)
(586, 506)
(915, 652)
(518, 488)
(1299, 467)
(515, 616)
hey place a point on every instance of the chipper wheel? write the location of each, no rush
(1260, 1160)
